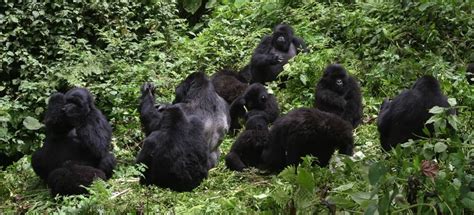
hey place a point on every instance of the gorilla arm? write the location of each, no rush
(149, 115)
(300, 45)
(262, 55)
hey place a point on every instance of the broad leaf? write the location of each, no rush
(31, 123)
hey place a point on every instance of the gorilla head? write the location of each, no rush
(255, 97)
(190, 87)
(427, 84)
(282, 37)
(257, 122)
(79, 103)
(335, 78)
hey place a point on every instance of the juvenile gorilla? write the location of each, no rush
(273, 53)
(306, 131)
(175, 150)
(339, 93)
(76, 148)
(404, 117)
(257, 101)
(247, 149)
(196, 96)
(229, 84)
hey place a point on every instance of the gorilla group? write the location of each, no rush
(404, 117)
(76, 148)
(182, 138)
(339, 93)
(273, 53)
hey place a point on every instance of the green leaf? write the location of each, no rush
(436, 110)
(303, 79)
(31, 123)
(191, 6)
(371, 210)
(468, 201)
(305, 179)
(452, 102)
(376, 171)
(363, 198)
(239, 3)
(344, 187)
(440, 147)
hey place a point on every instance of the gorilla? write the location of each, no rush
(273, 53)
(229, 84)
(404, 117)
(196, 96)
(306, 131)
(470, 73)
(247, 149)
(339, 93)
(257, 101)
(76, 148)
(175, 150)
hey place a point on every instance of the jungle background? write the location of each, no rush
(113, 47)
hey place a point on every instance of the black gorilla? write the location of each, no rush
(257, 101)
(273, 53)
(339, 93)
(404, 117)
(306, 131)
(470, 73)
(229, 84)
(175, 150)
(196, 96)
(247, 149)
(76, 148)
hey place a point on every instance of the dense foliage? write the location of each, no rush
(112, 48)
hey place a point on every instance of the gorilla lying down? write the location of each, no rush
(76, 148)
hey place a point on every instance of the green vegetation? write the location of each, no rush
(112, 48)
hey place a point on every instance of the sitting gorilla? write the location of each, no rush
(257, 101)
(306, 131)
(273, 53)
(404, 117)
(339, 93)
(196, 96)
(470, 73)
(247, 149)
(76, 148)
(229, 85)
(175, 150)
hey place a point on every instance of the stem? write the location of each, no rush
(416, 205)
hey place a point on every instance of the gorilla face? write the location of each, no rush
(281, 38)
(336, 78)
(256, 97)
(78, 104)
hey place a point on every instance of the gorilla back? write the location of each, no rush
(306, 131)
(404, 117)
(176, 153)
(196, 97)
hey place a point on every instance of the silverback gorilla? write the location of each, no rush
(306, 131)
(339, 93)
(175, 151)
(76, 148)
(404, 117)
(273, 53)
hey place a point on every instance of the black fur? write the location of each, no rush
(306, 131)
(404, 117)
(247, 149)
(273, 53)
(175, 150)
(339, 93)
(228, 84)
(78, 132)
(255, 100)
